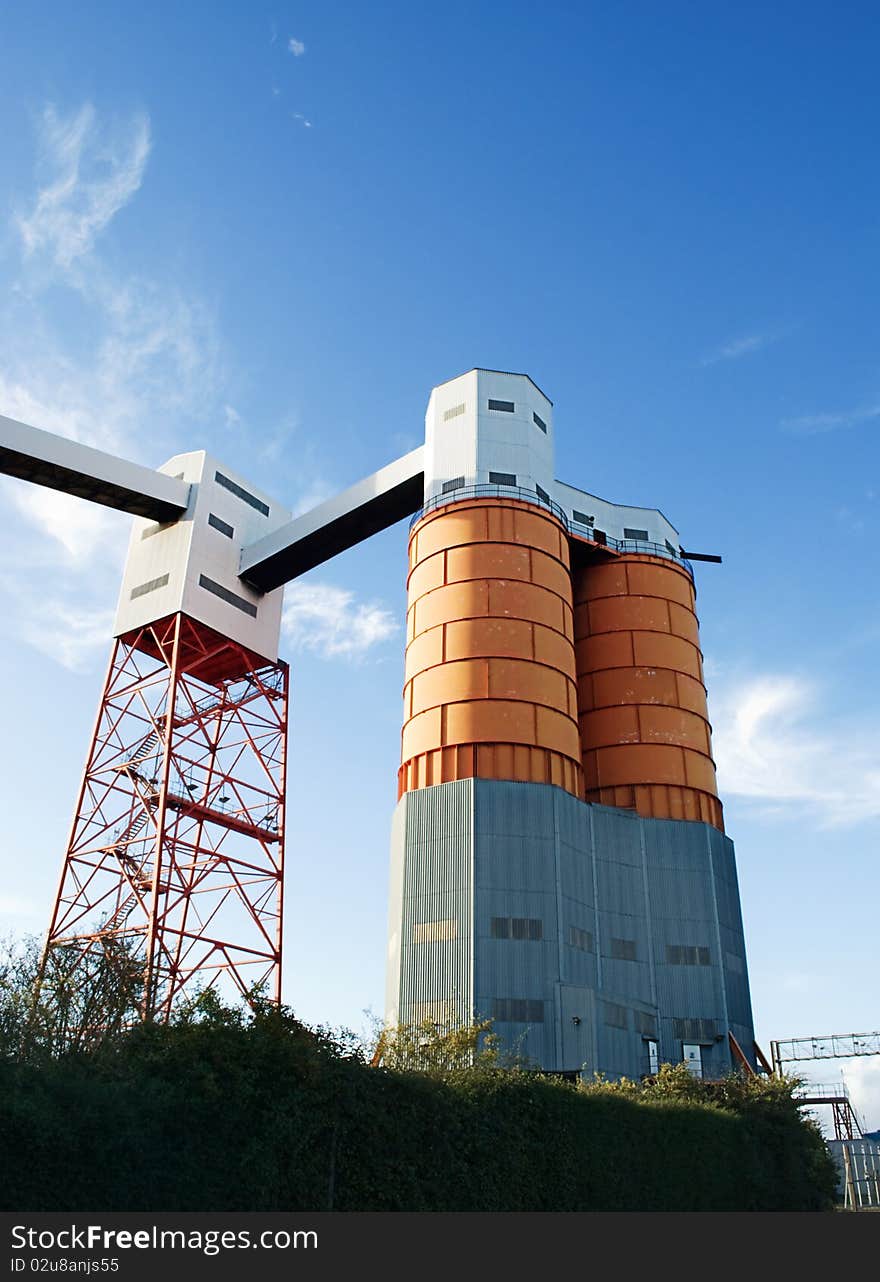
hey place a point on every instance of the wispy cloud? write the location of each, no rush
(296, 47)
(331, 622)
(306, 124)
(777, 747)
(138, 365)
(811, 424)
(91, 175)
(743, 346)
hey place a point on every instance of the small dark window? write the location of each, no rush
(704, 958)
(225, 595)
(581, 939)
(615, 1016)
(694, 1030)
(599, 536)
(502, 478)
(539, 421)
(217, 524)
(454, 412)
(623, 949)
(240, 493)
(518, 1010)
(542, 494)
(645, 1024)
(455, 484)
(143, 588)
(507, 406)
(517, 928)
(640, 536)
(582, 518)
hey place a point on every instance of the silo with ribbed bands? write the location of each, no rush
(490, 685)
(644, 724)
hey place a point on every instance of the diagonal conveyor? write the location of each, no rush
(372, 505)
(61, 464)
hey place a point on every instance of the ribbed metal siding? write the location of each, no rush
(437, 862)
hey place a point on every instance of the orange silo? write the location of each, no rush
(490, 686)
(644, 723)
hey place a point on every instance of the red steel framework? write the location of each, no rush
(176, 850)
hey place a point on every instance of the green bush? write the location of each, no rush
(223, 1111)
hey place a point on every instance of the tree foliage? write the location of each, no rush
(245, 1108)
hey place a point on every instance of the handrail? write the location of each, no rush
(574, 528)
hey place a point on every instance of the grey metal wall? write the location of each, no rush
(613, 893)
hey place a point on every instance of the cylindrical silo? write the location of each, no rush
(490, 686)
(644, 725)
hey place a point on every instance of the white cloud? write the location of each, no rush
(92, 176)
(776, 746)
(232, 416)
(306, 124)
(137, 362)
(810, 424)
(296, 47)
(737, 347)
(329, 621)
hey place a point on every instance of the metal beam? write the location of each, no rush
(59, 464)
(366, 508)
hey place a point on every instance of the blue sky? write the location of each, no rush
(268, 230)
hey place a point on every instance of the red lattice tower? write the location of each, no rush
(176, 850)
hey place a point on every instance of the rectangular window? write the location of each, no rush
(539, 422)
(599, 536)
(687, 955)
(507, 406)
(242, 494)
(143, 588)
(455, 484)
(640, 535)
(454, 412)
(225, 595)
(653, 1052)
(542, 494)
(645, 1024)
(502, 478)
(582, 518)
(517, 928)
(694, 1030)
(517, 1010)
(581, 939)
(220, 525)
(615, 1016)
(435, 932)
(623, 949)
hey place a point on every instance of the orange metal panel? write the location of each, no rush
(457, 601)
(550, 573)
(555, 650)
(451, 683)
(450, 527)
(628, 613)
(611, 650)
(659, 578)
(535, 530)
(424, 651)
(633, 685)
(426, 576)
(557, 731)
(488, 561)
(655, 650)
(490, 721)
(506, 638)
(605, 579)
(691, 694)
(646, 763)
(609, 726)
(683, 623)
(422, 733)
(514, 600)
(674, 725)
